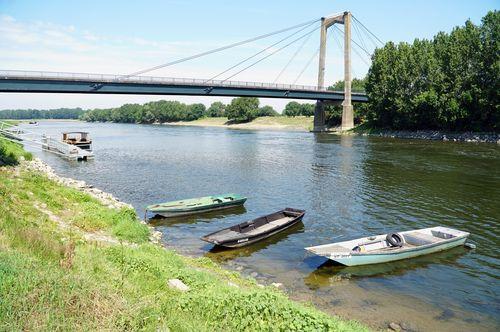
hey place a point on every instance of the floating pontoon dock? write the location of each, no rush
(44, 142)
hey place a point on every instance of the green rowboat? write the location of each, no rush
(196, 205)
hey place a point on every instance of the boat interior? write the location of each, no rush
(255, 226)
(196, 202)
(222, 199)
(265, 223)
(76, 137)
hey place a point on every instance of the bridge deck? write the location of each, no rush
(56, 82)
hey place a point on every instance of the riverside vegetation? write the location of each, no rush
(59, 113)
(240, 110)
(448, 83)
(54, 277)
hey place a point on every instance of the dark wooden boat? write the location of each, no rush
(255, 230)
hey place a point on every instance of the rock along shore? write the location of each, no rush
(105, 198)
(470, 137)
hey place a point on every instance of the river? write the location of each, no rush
(350, 186)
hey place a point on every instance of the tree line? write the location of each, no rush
(60, 113)
(449, 83)
(240, 109)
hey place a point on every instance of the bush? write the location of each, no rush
(10, 153)
(216, 110)
(243, 109)
(60, 113)
(155, 111)
(294, 108)
(267, 111)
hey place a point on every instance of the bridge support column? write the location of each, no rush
(319, 124)
(347, 109)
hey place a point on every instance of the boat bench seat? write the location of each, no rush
(331, 249)
(270, 225)
(226, 236)
(419, 239)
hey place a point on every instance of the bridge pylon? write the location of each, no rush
(347, 109)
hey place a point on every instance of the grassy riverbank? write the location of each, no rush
(298, 123)
(69, 262)
(10, 153)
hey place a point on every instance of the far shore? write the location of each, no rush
(298, 123)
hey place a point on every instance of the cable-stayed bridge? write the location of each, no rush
(138, 83)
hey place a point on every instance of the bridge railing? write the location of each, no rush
(109, 78)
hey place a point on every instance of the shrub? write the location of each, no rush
(267, 111)
(243, 109)
(216, 110)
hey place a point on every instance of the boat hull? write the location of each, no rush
(172, 214)
(355, 260)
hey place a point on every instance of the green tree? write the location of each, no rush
(267, 111)
(307, 109)
(449, 83)
(293, 108)
(489, 70)
(217, 109)
(243, 109)
(195, 111)
(357, 85)
(59, 113)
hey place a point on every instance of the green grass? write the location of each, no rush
(53, 279)
(365, 128)
(11, 152)
(11, 122)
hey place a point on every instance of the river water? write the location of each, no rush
(349, 186)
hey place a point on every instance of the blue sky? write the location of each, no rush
(124, 36)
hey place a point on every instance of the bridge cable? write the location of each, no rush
(355, 51)
(340, 49)
(307, 64)
(218, 49)
(373, 41)
(359, 35)
(381, 42)
(272, 53)
(354, 42)
(293, 57)
(260, 52)
(360, 57)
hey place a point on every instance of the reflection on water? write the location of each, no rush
(350, 187)
(328, 271)
(221, 254)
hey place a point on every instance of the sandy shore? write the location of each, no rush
(300, 123)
